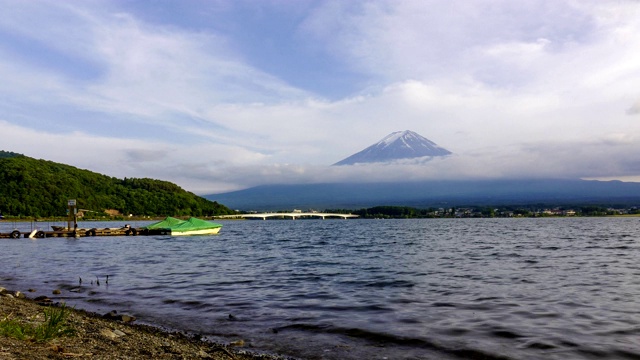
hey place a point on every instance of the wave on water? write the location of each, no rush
(385, 339)
(335, 289)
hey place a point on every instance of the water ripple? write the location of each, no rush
(401, 289)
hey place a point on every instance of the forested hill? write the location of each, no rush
(40, 188)
(8, 154)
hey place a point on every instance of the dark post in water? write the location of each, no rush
(71, 215)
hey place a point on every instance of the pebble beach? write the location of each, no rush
(105, 336)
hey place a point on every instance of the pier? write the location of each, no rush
(72, 230)
(76, 233)
(293, 215)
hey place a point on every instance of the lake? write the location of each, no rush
(549, 288)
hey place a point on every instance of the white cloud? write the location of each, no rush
(214, 168)
(634, 109)
(527, 88)
(197, 167)
(436, 39)
(145, 70)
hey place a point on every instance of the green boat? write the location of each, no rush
(176, 227)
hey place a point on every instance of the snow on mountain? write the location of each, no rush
(396, 146)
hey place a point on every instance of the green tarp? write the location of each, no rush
(167, 223)
(178, 225)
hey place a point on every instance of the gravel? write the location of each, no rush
(96, 337)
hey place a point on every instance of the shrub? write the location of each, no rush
(54, 326)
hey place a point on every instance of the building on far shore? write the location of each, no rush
(112, 212)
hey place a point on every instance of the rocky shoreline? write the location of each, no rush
(108, 336)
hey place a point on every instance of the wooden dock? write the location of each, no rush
(73, 231)
(63, 232)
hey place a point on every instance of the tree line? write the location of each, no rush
(40, 188)
(406, 212)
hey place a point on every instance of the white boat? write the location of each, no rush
(176, 227)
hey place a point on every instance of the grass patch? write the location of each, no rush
(12, 329)
(54, 326)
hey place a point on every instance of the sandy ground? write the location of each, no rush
(95, 337)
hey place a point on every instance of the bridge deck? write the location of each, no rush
(293, 215)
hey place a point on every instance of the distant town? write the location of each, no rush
(489, 212)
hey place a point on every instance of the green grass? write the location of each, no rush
(54, 326)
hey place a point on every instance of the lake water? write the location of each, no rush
(555, 288)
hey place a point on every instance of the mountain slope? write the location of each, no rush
(396, 146)
(8, 154)
(40, 188)
(432, 193)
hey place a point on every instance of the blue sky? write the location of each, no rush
(223, 95)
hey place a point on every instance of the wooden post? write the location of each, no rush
(71, 215)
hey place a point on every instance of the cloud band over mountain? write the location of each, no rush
(224, 95)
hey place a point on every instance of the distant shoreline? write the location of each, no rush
(22, 220)
(64, 219)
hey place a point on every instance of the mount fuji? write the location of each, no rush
(396, 146)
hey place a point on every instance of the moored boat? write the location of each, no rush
(192, 226)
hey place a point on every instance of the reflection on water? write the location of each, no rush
(353, 289)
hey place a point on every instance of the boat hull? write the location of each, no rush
(196, 232)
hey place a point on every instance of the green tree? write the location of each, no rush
(38, 188)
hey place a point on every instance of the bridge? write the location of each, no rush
(292, 215)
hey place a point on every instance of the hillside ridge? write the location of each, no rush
(41, 188)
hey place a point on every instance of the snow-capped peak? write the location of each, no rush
(395, 146)
(391, 138)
